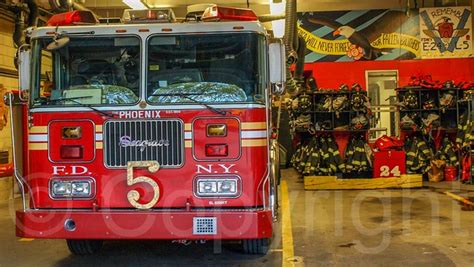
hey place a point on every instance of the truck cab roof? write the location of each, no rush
(153, 28)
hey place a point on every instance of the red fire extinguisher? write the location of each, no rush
(466, 168)
(450, 173)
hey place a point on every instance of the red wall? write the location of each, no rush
(333, 74)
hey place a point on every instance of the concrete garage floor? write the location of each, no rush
(327, 228)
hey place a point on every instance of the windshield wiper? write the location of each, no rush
(187, 96)
(47, 101)
(73, 99)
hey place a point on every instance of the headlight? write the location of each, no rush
(61, 188)
(217, 187)
(227, 186)
(207, 187)
(81, 189)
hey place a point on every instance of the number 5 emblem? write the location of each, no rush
(133, 195)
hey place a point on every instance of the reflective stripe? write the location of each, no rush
(254, 143)
(188, 144)
(254, 134)
(98, 128)
(253, 125)
(39, 129)
(188, 135)
(38, 146)
(38, 138)
(99, 145)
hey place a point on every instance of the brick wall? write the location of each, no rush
(7, 53)
(7, 49)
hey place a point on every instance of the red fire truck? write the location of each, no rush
(149, 129)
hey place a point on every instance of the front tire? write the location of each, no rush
(256, 246)
(84, 247)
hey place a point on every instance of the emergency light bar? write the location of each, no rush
(75, 17)
(154, 15)
(219, 13)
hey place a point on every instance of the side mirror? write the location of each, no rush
(276, 52)
(24, 70)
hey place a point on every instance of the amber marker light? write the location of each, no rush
(214, 130)
(71, 132)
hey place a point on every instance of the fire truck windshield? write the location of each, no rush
(90, 70)
(214, 68)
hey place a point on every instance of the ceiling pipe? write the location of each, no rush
(299, 69)
(290, 29)
(268, 18)
(24, 17)
(27, 12)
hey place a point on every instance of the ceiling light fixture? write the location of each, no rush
(135, 4)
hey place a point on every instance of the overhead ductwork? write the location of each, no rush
(290, 30)
(291, 44)
(56, 6)
(33, 13)
(299, 70)
(295, 49)
(25, 17)
(27, 12)
(268, 18)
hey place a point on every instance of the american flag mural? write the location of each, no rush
(341, 36)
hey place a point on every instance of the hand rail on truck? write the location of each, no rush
(18, 177)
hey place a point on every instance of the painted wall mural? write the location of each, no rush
(361, 35)
(341, 36)
(446, 32)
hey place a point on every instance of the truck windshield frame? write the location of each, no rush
(94, 70)
(212, 68)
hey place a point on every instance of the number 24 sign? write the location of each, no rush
(385, 171)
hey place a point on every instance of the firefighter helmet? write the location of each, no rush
(327, 105)
(408, 121)
(429, 104)
(447, 99)
(358, 102)
(449, 84)
(343, 87)
(327, 125)
(340, 103)
(302, 123)
(304, 103)
(410, 100)
(388, 142)
(356, 87)
(430, 120)
(468, 95)
(323, 102)
(359, 122)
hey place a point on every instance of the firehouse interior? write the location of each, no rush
(237, 132)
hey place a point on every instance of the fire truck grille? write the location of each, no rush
(158, 140)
